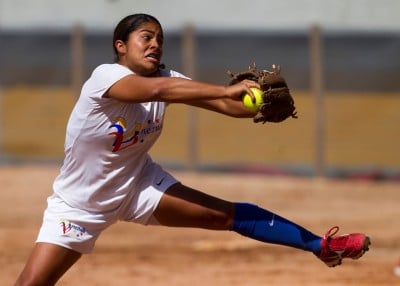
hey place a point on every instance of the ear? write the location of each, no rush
(120, 46)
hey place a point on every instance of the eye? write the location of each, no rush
(160, 40)
(147, 37)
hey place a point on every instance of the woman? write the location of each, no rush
(107, 174)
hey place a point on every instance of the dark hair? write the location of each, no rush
(129, 24)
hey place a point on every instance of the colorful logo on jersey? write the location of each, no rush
(72, 229)
(125, 138)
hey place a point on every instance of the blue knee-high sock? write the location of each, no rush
(262, 225)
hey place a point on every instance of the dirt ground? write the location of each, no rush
(129, 254)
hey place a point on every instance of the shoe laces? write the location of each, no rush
(331, 232)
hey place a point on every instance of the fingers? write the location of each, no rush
(250, 92)
(251, 83)
(248, 85)
(238, 90)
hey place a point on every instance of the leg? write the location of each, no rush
(263, 225)
(182, 206)
(46, 264)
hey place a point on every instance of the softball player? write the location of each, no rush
(107, 174)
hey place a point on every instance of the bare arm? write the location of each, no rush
(222, 99)
(234, 108)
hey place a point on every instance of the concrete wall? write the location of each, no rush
(205, 14)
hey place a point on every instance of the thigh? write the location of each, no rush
(46, 264)
(182, 206)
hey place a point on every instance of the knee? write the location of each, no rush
(221, 219)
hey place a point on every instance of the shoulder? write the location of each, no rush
(111, 68)
(108, 74)
(172, 73)
(103, 77)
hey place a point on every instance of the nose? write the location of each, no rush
(155, 44)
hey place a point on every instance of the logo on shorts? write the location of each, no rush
(72, 229)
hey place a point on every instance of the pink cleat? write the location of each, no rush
(334, 249)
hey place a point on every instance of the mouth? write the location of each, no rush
(154, 57)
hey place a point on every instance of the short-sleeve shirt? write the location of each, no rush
(107, 143)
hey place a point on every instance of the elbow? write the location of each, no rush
(159, 91)
(155, 95)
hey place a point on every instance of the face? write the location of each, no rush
(143, 50)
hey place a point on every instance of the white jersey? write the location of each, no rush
(107, 143)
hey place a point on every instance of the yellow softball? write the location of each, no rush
(248, 103)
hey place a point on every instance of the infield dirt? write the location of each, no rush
(130, 254)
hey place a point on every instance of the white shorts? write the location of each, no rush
(78, 229)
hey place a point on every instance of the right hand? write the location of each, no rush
(236, 91)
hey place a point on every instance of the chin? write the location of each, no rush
(150, 71)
